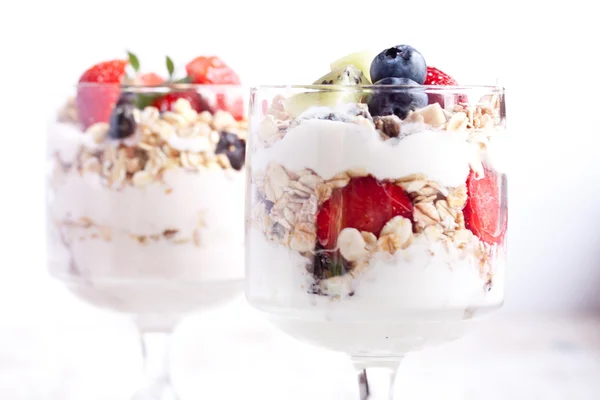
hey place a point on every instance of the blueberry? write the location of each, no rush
(233, 147)
(400, 61)
(397, 101)
(122, 121)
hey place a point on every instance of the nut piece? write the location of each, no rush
(357, 172)
(462, 238)
(184, 108)
(388, 124)
(425, 214)
(222, 120)
(303, 238)
(267, 129)
(400, 227)
(98, 132)
(142, 178)
(432, 233)
(352, 244)
(432, 115)
(457, 197)
(389, 243)
(370, 239)
(457, 122)
(277, 180)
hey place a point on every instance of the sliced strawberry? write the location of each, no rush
(365, 204)
(95, 102)
(166, 102)
(211, 70)
(485, 211)
(149, 79)
(440, 78)
(234, 105)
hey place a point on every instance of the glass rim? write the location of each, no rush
(372, 87)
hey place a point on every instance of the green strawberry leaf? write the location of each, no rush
(144, 100)
(134, 61)
(170, 67)
(185, 79)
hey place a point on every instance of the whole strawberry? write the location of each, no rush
(98, 91)
(439, 78)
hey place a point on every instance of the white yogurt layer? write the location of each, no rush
(331, 147)
(98, 243)
(424, 277)
(210, 202)
(213, 195)
(65, 139)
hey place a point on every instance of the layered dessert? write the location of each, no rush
(146, 186)
(378, 210)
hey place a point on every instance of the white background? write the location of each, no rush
(544, 52)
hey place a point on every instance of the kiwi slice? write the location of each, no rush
(347, 75)
(361, 60)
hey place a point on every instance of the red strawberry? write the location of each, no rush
(440, 78)
(95, 102)
(166, 102)
(485, 211)
(211, 70)
(365, 204)
(149, 79)
(437, 77)
(235, 106)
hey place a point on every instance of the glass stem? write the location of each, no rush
(157, 381)
(376, 379)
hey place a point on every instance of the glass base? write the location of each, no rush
(382, 340)
(154, 300)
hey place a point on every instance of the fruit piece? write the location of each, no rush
(211, 70)
(166, 102)
(365, 204)
(400, 61)
(485, 211)
(149, 79)
(99, 90)
(438, 77)
(397, 101)
(235, 107)
(122, 121)
(348, 75)
(327, 263)
(361, 60)
(233, 147)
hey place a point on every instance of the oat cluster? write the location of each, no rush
(181, 139)
(477, 119)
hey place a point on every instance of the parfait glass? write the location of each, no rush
(145, 211)
(376, 235)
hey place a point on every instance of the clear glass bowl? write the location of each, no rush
(376, 236)
(145, 200)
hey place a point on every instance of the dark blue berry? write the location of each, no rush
(401, 61)
(233, 147)
(398, 101)
(122, 121)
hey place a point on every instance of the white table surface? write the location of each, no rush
(59, 348)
